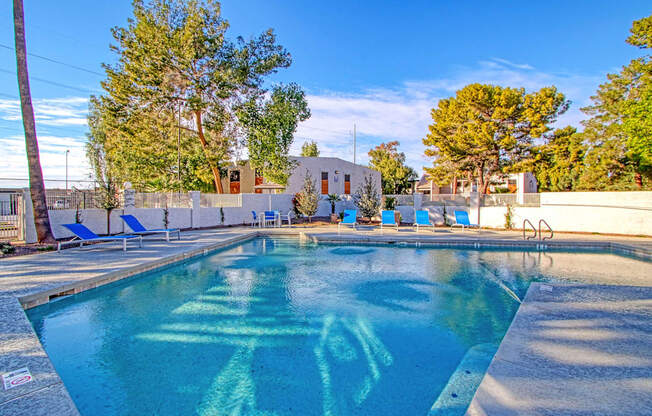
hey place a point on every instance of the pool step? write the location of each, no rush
(456, 396)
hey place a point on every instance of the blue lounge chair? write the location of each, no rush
(462, 220)
(388, 219)
(84, 234)
(350, 218)
(138, 228)
(422, 219)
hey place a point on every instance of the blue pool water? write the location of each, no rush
(277, 327)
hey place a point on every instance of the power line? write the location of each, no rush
(56, 61)
(47, 81)
(45, 128)
(328, 131)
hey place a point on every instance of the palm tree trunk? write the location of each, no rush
(36, 185)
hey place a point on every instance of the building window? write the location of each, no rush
(258, 180)
(324, 183)
(347, 184)
(234, 182)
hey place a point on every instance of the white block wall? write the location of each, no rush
(599, 212)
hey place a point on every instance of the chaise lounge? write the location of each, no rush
(462, 220)
(350, 218)
(83, 234)
(422, 219)
(388, 219)
(139, 229)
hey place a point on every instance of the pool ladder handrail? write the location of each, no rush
(530, 237)
(541, 237)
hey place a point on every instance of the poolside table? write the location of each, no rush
(261, 219)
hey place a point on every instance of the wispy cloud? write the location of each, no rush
(49, 111)
(380, 114)
(60, 125)
(403, 113)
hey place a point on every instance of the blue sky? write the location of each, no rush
(380, 64)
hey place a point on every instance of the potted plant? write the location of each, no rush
(333, 199)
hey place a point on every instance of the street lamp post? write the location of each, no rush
(67, 151)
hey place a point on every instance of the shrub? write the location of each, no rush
(509, 216)
(390, 203)
(6, 248)
(366, 198)
(307, 199)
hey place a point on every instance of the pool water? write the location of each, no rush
(280, 327)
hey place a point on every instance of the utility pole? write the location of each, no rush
(354, 143)
(67, 152)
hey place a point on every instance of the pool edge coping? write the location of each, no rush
(37, 298)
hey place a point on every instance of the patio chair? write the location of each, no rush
(350, 218)
(254, 219)
(422, 219)
(139, 229)
(269, 217)
(388, 219)
(84, 234)
(287, 218)
(462, 220)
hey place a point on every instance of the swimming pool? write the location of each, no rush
(281, 327)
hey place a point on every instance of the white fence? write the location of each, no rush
(162, 200)
(600, 212)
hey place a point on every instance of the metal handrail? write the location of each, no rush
(549, 229)
(533, 229)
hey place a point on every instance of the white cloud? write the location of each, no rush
(380, 114)
(60, 125)
(49, 111)
(403, 113)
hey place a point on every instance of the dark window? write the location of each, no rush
(234, 176)
(324, 183)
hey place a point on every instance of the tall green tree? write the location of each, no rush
(310, 149)
(485, 129)
(176, 53)
(395, 174)
(618, 133)
(270, 128)
(558, 163)
(36, 184)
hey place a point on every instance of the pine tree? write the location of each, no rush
(366, 198)
(176, 53)
(308, 200)
(619, 132)
(485, 129)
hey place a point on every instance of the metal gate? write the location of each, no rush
(11, 216)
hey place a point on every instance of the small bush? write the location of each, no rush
(6, 248)
(509, 217)
(390, 203)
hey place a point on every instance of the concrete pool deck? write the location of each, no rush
(32, 280)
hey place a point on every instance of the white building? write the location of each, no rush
(332, 175)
